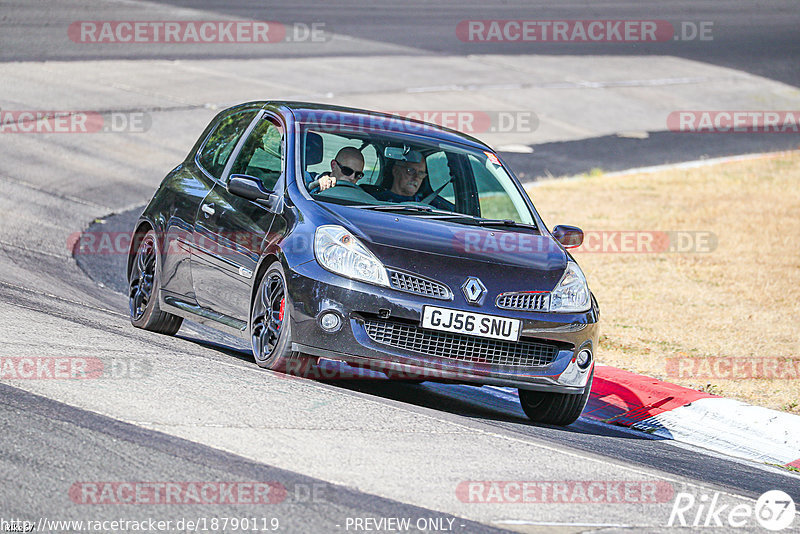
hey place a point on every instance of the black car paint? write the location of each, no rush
(209, 286)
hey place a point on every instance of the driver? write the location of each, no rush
(346, 168)
(407, 177)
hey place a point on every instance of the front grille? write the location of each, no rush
(526, 301)
(412, 283)
(460, 347)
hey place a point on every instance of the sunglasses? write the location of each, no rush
(410, 171)
(347, 171)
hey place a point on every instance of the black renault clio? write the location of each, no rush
(460, 281)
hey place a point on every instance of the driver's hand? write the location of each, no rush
(327, 182)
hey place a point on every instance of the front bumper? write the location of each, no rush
(314, 290)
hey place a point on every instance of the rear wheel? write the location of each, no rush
(143, 288)
(555, 408)
(271, 326)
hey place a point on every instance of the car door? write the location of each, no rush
(190, 184)
(233, 228)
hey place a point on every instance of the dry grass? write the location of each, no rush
(741, 300)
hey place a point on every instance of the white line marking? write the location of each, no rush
(582, 84)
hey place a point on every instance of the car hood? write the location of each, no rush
(420, 244)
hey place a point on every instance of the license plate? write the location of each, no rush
(474, 324)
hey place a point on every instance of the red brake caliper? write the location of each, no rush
(280, 314)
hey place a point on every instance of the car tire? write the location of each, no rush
(555, 408)
(144, 285)
(271, 326)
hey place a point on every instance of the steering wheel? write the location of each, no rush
(315, 185)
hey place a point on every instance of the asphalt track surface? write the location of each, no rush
(758, 37)
(55, 435)
(78, 443)
(480, 405)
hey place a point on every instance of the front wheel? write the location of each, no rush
(271, 326)
(143, 288)
(555, 408)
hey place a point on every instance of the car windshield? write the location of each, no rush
(410, 175)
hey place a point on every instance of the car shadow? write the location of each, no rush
(489, 404)
(220, 346)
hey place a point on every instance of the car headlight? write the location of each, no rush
(338, 251)
(571, 294)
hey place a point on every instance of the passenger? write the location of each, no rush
(346, 168)
(407, 177)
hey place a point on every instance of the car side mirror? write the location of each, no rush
(569, 236)
(251, 188)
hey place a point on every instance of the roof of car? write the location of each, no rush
(311, 112)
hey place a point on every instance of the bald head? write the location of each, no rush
(350, 155)
(347, 157)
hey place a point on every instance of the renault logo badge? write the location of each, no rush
(474, 290)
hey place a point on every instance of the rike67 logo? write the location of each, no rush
(774, 510)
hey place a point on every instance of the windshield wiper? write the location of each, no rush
(504, 222)
(444, 214)
(395, 207)
(412, 207)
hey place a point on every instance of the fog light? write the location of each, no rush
(584, 359)
(330, 321)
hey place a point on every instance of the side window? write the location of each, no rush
(372, 165)
(498, 199)
(262, 154)
(439, 174)
(217, 149)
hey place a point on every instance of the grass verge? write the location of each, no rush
(736, 299)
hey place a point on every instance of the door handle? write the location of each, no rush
(208, 209)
